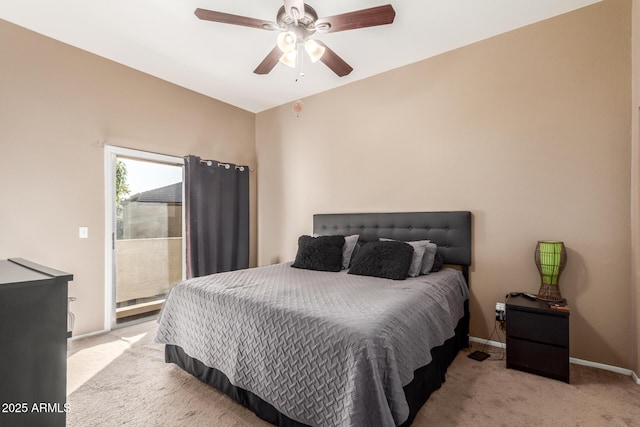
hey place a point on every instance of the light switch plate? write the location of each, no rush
(83, 232)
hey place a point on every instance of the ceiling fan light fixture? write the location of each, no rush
(296, 22)
(314, 50)
(287, 41)
(289, 58)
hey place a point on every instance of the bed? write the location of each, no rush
(302, 347)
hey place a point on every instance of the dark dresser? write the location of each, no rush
(33, 344)
(537, 338)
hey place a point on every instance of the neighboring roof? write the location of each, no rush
(168, 194)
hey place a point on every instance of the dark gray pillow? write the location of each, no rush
(437, 263)
(323, 253)
(385, 259)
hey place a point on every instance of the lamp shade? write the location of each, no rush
(550, 257)
(314, 50)
(289, 58)
(287, 41)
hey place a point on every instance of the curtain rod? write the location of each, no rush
(103, 143)
(226, 165)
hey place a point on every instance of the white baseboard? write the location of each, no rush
(488, 342)
(611, 368)
(582, 362)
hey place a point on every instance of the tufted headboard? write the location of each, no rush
(451, 231)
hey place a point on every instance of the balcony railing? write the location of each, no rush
(145, 271)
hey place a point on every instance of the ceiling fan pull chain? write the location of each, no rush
(300, 64)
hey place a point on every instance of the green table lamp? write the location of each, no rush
(551, 257)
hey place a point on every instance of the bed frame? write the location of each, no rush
(451, 231)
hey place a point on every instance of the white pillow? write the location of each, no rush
(429, 257)
(347, 249)
(419, 250)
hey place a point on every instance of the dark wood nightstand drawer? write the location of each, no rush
(537, 327)
(541, 359)
(537, 338)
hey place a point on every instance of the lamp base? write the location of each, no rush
(549, 292)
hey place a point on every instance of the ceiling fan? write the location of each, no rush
(297, 22)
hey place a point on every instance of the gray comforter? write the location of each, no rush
(325, 349)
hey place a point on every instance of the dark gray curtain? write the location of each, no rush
(217, 216)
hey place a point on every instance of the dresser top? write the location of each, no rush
(534, 306)
(20, 270)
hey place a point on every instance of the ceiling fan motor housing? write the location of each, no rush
(305, 26)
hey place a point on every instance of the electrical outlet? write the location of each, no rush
(500, 311)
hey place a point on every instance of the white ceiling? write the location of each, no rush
(165, 39)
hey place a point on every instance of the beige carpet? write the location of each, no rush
(120, 378)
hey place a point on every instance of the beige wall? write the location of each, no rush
(635, 183)
(529, 130)
(56, 103)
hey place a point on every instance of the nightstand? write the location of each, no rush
(537, 338)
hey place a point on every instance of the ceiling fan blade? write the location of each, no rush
(227, 18)
(371, 17)
(298, 5)
(269, 61)
(334, 62)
